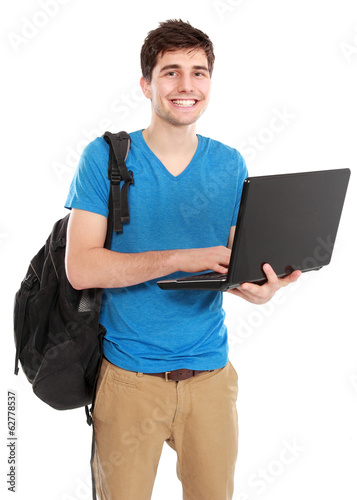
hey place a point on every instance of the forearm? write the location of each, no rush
(89, 265)
(102, 268)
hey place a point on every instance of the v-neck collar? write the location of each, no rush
(158, 162)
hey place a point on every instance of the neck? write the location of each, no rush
(170, 140)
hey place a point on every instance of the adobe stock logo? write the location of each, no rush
(277, 124)
(321, 255)
(353, 380)
(3, 237)
(267, 475)
(223, 7)
(128, 102)
(349, 49)
(245, 327)
(39, 20)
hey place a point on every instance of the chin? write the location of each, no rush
(183, 120)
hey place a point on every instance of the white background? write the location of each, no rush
(76, 76)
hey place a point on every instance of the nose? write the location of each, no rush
(185, 83)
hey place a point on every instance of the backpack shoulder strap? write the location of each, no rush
(117, 172)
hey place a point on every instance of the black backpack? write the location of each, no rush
(58, 337)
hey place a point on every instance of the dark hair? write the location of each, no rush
(171, 35)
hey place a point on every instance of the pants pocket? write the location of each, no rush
(101, 379)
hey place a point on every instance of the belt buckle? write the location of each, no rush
(166, 376)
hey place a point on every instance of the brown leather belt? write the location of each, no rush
(177, 375)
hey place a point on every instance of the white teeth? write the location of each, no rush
(184, 103)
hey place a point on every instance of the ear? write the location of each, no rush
(145, 87)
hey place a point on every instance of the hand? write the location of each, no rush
(260, 294)
(195, 260)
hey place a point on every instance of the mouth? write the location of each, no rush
(184, 103)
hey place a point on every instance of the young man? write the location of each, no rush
(166, 374)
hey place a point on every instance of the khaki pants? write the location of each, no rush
(136, 413)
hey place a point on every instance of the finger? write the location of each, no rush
(259, 294)
(291, 278)
(253, 292)
(270, 274)
(217, 268)
(249, 288)
(239, 293)
(253, 297)
(221, 260)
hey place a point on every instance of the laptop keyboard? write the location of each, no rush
(206, 277)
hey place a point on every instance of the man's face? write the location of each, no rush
(180, 86)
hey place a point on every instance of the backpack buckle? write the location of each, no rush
(116, 178)
(29, 281)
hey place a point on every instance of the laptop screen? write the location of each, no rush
(289, 221)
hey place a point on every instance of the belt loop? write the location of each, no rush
(166, 376)
(139, 374)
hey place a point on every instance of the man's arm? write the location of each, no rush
(260, 294)
(89, 265)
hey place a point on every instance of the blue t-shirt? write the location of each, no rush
(149, 329)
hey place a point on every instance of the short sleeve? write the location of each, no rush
(89, 189)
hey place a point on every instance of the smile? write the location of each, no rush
(184, 103)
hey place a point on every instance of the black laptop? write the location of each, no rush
(289, 221)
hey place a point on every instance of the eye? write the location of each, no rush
(200, 74)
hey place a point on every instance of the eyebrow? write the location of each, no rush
(177, 66)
